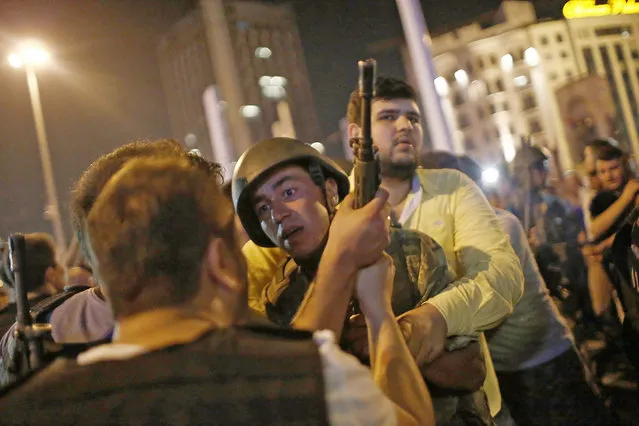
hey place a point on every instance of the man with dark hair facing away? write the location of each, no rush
(161, 241)
(78, 316)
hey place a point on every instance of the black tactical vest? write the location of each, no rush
(240, 376)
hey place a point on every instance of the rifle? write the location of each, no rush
(365, 164)
(29, 350)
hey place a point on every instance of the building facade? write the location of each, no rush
(240, 62)
(499, 79)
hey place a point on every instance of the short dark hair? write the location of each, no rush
(150, 228)
(39, 256)
(385, 88)
(608, 152)
(88, 187)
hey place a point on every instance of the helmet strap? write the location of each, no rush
(315, 170)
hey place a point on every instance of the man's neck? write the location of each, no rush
(398, 190)
(311, 262)
(163, 327)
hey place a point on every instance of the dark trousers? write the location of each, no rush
(557, 392)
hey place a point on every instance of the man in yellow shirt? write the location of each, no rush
(451, 209)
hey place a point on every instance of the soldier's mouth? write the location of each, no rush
(288, 234)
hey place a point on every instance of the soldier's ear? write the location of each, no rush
(332, 193)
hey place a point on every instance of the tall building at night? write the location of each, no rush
(241, 64)
(505, 75)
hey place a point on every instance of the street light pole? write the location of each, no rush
(53, 209)
(30, 55)
(419, 48)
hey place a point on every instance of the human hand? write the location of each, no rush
(355, 335)
(425, 331)
(374, 288)
(630, 190)
(592, 254)
(359, 236)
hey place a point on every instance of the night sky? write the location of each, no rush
(105, 88)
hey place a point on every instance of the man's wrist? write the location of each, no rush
(335, 261)
(436, 317)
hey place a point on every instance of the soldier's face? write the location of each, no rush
(291, 211)
(397, 132)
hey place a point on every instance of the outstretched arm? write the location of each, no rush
(393, 366)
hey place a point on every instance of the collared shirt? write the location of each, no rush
(535, 333)
(450, 208)
(454, 212)
(352, 397)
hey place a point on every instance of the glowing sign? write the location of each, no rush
(589, 8)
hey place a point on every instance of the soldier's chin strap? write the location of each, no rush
(315, 170)
(311, 262)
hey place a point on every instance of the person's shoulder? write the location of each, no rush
(268, 255)
(46, 383)
(440, 180)
(507, 218)
(437, 174)
(40, 311)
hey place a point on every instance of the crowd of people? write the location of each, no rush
(272, 299)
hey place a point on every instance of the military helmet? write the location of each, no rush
(261, 160)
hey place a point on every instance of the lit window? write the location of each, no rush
(520, 80)
(462, 78)
(263, 52)
(274, 92)
(441, 86)
(250, 111)
(278, 80)
(507, 62)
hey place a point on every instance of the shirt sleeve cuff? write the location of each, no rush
(449, 307)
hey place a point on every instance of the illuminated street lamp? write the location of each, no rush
(30, 56)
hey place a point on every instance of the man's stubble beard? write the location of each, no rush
(403, 171)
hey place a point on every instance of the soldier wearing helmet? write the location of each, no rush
(286, 195)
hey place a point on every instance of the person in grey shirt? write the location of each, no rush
(541, 375)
